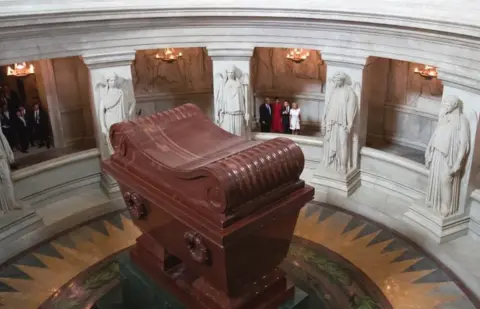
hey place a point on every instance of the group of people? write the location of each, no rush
(278, 117)
(22, 127)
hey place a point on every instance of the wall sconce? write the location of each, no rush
(298, 55)
(169, 55)
(427, 72)
(20, 69)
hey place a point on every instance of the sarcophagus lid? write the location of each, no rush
(204, 170)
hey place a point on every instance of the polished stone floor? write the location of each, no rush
(342, 261)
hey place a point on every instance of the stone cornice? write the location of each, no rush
(99, 40)
(109, 59)
(469, 83)
(438, 16)
(342, 60)
(230, 51)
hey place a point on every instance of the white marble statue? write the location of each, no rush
(7, 195)
(445, 157)
(117, 103)
(231, 102)
(338, 120)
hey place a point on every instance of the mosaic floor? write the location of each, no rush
(340, 260)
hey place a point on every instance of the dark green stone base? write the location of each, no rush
(139, 291)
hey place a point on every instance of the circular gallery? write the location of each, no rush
(324, 151)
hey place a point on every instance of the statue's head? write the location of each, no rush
(111, 79)
(339, 79)
(449, 104)
(231, 72)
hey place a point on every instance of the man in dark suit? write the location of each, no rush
(265, 116)
(10, 98)
(40, 126)
(22, 130)
(28, 116)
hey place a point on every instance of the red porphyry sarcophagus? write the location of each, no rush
(217, 211)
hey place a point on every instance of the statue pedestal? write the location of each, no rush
(109, 186)
(440, 229)
(17, 223)
(329, 180)
(139, 290)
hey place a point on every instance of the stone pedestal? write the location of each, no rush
(441, 229)
(101, 67)
(328, 180)
(109, 186)
(17, 223)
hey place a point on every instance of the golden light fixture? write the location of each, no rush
(428, 72)
(169, 55)
(20, 69)
(298, 54)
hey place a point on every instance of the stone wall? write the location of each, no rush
(403, 106)
(275, 76)
(64, 82)
(161, 85)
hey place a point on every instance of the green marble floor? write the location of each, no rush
(340, 260)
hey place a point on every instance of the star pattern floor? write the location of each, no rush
(341, 260)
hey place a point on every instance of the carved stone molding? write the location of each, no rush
(395, 13)
(235, 52)
(109, 59)
(462, 80)
(344, 60)
(57, 40)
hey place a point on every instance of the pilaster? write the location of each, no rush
(444, 229)
(109, 59)
(344, 183)
(105, 66)
(50, 87)
(225, 58)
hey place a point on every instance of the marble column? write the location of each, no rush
(441, 226)
(225, 59)
(342, 138)
(110, 71)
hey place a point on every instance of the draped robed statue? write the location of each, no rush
(445, 158)
(117, 103)
(338, 122)
(231, 102)
(8, 201)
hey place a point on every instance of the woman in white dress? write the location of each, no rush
(295, 118)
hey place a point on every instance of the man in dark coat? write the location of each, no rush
(22, 130)
(40, 126)
(10, 98)
(265, 116)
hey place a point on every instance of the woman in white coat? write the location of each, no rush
(295, 119)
